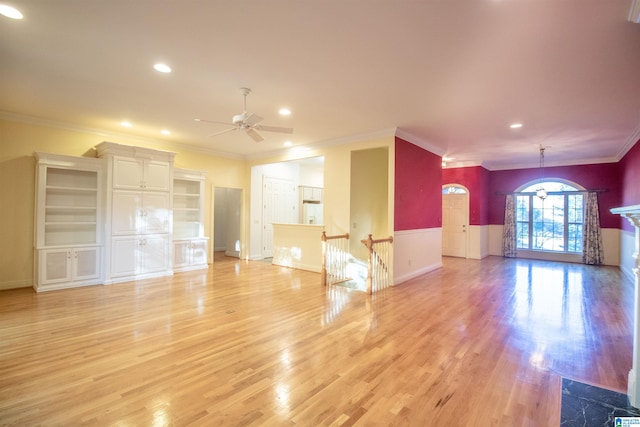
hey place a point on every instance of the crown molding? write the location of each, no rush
(401, 133)
(630, 142)
(531, 165)
(301, 149)
(173, 145)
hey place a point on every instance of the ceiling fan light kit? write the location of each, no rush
(248, 122)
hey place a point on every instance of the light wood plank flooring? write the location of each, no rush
(476, 343)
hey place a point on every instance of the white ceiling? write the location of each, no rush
(451, 75)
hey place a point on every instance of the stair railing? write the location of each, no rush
(335, 256)
(378, 270)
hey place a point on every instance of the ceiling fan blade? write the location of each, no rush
(211, 121)
(274, 129)
(221, 132)
(254, 135)
(253, 119)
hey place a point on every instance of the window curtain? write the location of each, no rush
(592, 237)
(509, 232)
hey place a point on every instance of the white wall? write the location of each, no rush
(416, 252)
(312, 176)
(282, 170)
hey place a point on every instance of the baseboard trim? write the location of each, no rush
(15, 284)
(424, 270)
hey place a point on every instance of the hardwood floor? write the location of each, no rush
(476, 343)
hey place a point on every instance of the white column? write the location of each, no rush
(632, 213)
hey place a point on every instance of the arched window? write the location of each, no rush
(553, 222)
(453, 189)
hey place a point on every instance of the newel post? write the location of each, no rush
(323, 272)
(369, 244)
(632, 213)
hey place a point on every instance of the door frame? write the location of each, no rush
(241, 249)
(467, 193)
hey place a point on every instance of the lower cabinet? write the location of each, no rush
(190, 254)
(68, 267)
(140, 256)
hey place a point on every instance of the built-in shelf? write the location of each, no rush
(189, 244)
(68, 233)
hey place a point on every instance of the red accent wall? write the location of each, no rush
(476, 179)
(596, 176)
(418, 187)
(630, 178)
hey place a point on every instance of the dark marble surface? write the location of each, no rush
(589, 406)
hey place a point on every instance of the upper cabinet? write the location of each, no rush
(311, 194)
(141, 174)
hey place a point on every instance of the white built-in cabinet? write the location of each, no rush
(139, 212)
(141, 174)
(190, 246)
(68, 222)
(123, 216)
(311, 194)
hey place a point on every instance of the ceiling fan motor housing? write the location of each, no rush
(239, 119)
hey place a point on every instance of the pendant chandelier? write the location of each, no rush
(540, 191)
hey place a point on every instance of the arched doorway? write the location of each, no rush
(455, 220)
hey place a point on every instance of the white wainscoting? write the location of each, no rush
(610, 243)
(627, 249)
(478, 242)
(416, 252)
(611, 246)
(495, 240)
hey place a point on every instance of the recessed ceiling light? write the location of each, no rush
(285, 112)
(165, 132)
(125, 124)
(163, 68)
(515, 125)
(10, 12)
(287, 144)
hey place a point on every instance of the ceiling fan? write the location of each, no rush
(248, 122)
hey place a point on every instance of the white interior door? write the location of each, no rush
(455, 224)
(279, 200)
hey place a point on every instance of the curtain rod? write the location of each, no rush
(597, 190)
